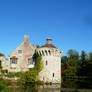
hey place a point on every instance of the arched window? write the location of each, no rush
(46, 52)
(49, 52)
(39, 53)
(46, 62)
(42, 53)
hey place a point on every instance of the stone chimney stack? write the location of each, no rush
(49, 40)
(26, 40)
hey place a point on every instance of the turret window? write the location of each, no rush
(46, 62)
(49, 52)
(53, 74)
(42, 53)
(46, 52)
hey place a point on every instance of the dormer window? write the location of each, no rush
(19, 51)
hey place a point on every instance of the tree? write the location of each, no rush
(32, 75)
(1, 54)
(83, 64)
(83, 56)
(72, 64)
(64, 60)
(90, 57)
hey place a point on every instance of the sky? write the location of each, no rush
(67, 22)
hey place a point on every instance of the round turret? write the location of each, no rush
(51, 58)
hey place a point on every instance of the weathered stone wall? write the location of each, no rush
(51, 58)
(22, 58)
(52, 65)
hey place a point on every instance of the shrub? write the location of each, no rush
(32, 75)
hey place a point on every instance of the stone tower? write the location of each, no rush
(51, 58)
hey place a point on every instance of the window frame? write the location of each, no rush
(30, 61)
(13, 60)
(19, 51)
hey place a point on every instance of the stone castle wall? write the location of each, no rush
(52, 65)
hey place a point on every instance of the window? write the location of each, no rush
(13, 67)
(30, 61)
(43, 78)
(42, 52)
(49, 52)
(19, 51)
(46, 52)
(13, 60)
(53, 74)
(46, 62)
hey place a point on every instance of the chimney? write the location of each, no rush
(49, 40)
(26, 40)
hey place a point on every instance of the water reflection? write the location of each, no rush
(77, 84)
(49, 88)
(42, 88)
(34, 88)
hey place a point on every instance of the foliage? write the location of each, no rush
(77, 68)
(37, 46)
(29, 77)
(32, 75)
(12, 75)
(39, 64)
(3, 86)
(73, 59)
(1, 54)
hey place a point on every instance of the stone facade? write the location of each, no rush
(51, 58)
(21, 58)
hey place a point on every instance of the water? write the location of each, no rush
(68, 86)
(44, 88)
(35, 88)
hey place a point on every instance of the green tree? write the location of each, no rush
(1, 54)
(72, 64)
(32, 75)
(90, 57)
(64, 60)
(83, 64)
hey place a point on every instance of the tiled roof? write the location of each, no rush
(49, 45)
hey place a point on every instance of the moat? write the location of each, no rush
(41, 88)
(46, 88)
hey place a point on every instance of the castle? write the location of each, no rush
(21, 59)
